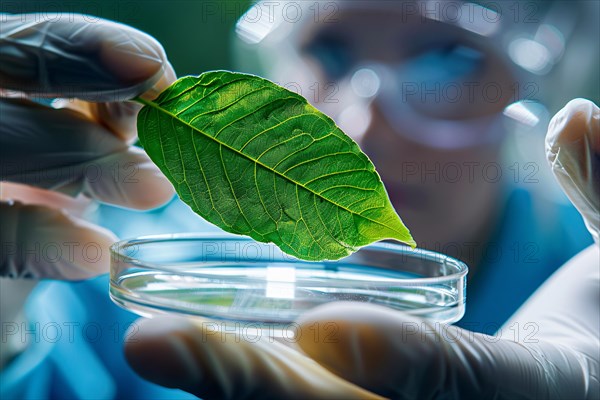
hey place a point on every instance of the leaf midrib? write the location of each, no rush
(174, 116)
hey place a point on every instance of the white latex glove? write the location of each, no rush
(573, 150)
(552, 352)
(53, 161)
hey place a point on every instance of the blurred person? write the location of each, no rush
(422, 87)
(428, 90)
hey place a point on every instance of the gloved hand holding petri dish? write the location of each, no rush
(364, 351)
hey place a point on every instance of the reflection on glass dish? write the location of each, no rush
(239, 284)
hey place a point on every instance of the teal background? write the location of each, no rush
(195, 34)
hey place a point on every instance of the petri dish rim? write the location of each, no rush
(117, 249)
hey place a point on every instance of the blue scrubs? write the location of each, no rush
(536, 236)
(85, 360)
(76, 332)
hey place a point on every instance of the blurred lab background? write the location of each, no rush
(548, 49)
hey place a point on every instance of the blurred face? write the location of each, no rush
(422, 99)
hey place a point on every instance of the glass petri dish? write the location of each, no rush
(243, 284)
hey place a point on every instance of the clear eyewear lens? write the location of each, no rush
(420, 117)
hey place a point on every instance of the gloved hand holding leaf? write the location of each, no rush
(54, 160)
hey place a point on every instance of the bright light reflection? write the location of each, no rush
(531, 55)
(281, 282)
(256, 24)
(552, 39)
(365, 82)
(519, 112)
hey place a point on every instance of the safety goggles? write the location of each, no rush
(441, 73)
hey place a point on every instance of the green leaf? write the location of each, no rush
(256, 159)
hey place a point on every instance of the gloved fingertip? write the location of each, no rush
(167, 78)
(130, 179)
(340, 326)
(42, 242)
(573, 151)
(119, 117)
(374, 347)
(157, 190)
(571, 124)
(156, 349)
(132, 55)
(88, 57)
(91, 254)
